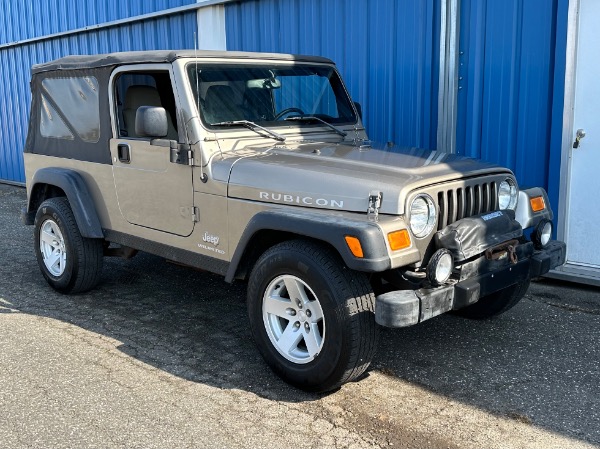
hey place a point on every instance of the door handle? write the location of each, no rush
(124, 153)
(580, 134)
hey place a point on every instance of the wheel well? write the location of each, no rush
(42, 192)
(262, 241)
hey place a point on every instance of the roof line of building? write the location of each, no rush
(114, 23)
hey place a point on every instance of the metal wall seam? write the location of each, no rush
(211, 28)
(448, 79)
(386, 51)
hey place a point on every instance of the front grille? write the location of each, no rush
(466, 201)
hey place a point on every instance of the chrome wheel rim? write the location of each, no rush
(52, 247)
(293, 319)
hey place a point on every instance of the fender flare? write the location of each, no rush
(523, 213)
(80, 200)
(328, 228)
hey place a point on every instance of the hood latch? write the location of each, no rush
(375, 198)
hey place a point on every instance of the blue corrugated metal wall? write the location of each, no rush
(21, 20)
(507, 84)
(387, 52)
(512, 66)
(175, 31)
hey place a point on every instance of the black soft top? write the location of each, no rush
(158, 56)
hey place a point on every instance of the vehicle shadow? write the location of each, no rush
(533, 368)
(537, 364)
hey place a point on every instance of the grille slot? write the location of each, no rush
(462, 202)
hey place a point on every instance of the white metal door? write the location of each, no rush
(583, 206)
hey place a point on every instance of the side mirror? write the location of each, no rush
(151, 121)
(358, 109)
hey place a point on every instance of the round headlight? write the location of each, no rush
(507, 194)
(440, 267)
(422, 215)
(541, 234)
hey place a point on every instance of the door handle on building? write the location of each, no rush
(580, 134)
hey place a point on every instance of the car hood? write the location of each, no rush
(341, 176)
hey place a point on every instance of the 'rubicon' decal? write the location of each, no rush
(302, 200)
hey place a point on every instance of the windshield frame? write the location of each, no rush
(280, 125)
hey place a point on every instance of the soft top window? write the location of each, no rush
(51, 125)
(75, 101)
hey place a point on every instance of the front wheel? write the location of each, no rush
(495, 304)
(70, 262)
(311, 317)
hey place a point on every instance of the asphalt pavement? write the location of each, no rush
(160, 355)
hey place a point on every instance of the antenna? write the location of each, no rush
(203, 176)
(196, 62)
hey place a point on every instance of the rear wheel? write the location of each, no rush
(70, 262)
(495, 304)
(311, 317)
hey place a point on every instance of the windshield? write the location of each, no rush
(269, 94)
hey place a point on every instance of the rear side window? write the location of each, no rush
(71, 105)
(51, 125)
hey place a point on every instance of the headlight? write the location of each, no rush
(507, 194)
(422, 215)
(541, 234)
(440, 267)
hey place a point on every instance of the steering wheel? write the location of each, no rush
(287, 111)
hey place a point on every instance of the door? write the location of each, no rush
(583, 244)
(151, 191)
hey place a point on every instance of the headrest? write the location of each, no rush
(219, 93)
(137, 96)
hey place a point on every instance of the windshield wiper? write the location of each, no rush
(310, 118)
(251, 125)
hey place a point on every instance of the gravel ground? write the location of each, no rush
(161, 356)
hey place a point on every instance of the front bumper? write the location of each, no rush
(478, 279)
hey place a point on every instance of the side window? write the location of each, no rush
(136, 89)
(51, 125)
(70, 105)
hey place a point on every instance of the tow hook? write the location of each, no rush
(506, 249)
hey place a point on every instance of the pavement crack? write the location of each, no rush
(568, 307)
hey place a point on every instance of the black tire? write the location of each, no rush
(82, 267)
(496, 303)
(346, 301)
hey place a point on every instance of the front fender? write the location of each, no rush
(328, 228)
(80, 200)
(525, 215)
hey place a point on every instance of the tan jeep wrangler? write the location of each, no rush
(257, 167)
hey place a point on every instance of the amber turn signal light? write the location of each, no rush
(354, 245)
(399, 239)
(537, 203)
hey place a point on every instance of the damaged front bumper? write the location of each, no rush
(477, 279)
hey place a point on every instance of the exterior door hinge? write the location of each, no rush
(182, 153)
(195, 214)
(375, 198)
